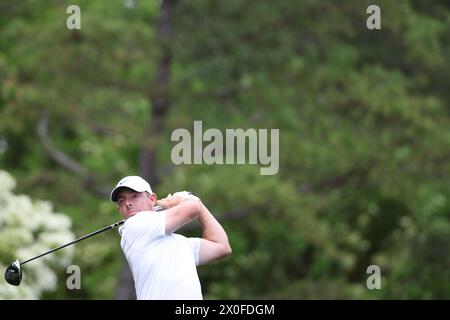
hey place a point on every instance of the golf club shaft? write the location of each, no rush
(114, 225)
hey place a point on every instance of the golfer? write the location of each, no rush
(164, 263)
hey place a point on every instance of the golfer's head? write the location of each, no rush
(132, 195)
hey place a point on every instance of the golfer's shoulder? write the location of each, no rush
(144, 218)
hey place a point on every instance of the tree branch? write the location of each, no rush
(64, 160)
(57, 155)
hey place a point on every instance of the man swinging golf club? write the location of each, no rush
(164, 263)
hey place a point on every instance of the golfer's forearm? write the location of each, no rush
(212, 230)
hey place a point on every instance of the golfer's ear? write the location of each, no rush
(153, 197)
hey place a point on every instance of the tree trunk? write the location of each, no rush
(159, 97)
(160, 101)
(125, 287)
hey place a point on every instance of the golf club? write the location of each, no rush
(13, 273)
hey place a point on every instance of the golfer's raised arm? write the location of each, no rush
(214, 244)
(181, 214)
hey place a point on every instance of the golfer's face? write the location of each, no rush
(131, 202)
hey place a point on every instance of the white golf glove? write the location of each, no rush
(185, 195)
(175, 199)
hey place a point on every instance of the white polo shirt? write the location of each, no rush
(163, 266)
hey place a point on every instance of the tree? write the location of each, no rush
(363, 119)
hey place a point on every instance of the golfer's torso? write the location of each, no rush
(163, 266)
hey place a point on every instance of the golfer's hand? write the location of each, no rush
(168, 202)
(175, 199)
(185, 195)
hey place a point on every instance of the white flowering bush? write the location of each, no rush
(29, 228)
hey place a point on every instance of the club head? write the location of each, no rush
(13, 274)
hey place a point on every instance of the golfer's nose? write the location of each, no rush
(128, 203)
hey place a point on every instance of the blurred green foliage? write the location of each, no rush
(364, 135)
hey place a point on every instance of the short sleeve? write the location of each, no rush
(195, 246)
